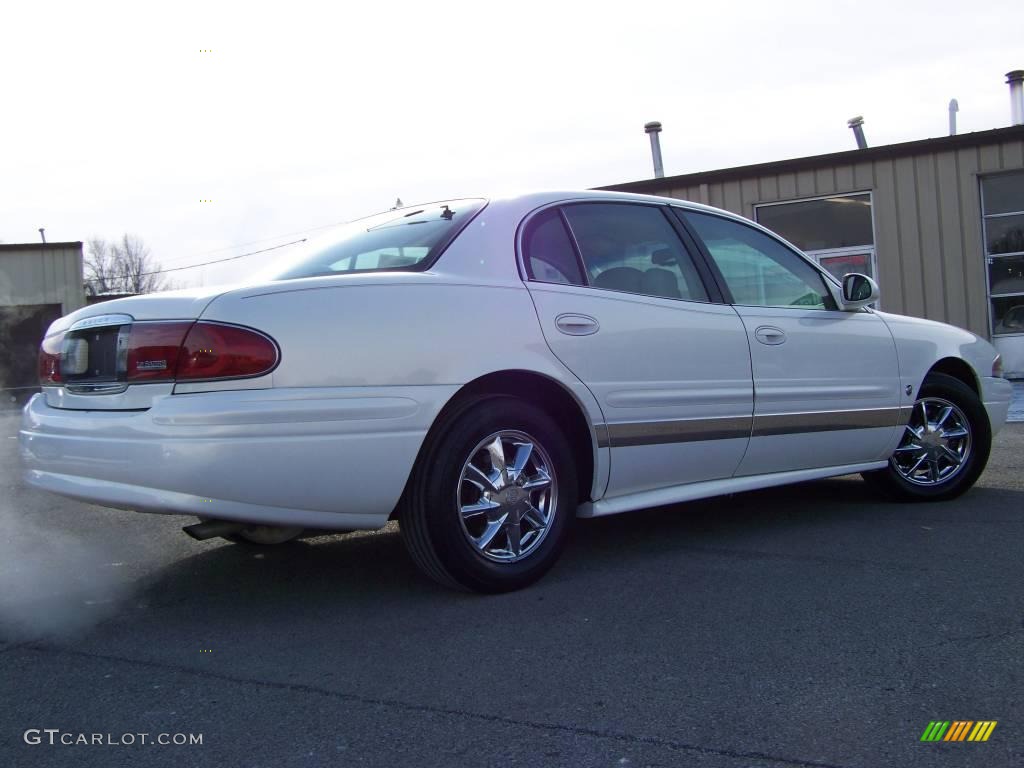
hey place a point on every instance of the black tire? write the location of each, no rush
(940, 387)
(430, 518)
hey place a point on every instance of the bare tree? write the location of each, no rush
(100, 271)
(136, 266)
(124, 266)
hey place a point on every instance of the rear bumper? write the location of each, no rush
(322, 458)
(996, 394)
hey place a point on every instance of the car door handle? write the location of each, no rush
(769, 334)
(577, 325)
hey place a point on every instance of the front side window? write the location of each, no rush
(634, 249)
(408, 238)
(758, 270)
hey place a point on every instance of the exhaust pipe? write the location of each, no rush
(209, 529)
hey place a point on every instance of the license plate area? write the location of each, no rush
(94, 359)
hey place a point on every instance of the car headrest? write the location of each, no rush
(620, 279)
(663, 256)
(660, 282)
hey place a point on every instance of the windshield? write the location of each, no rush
(408, 238)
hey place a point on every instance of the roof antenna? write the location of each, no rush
(42, 233)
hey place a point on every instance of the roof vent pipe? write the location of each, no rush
(1016, 82)
(856, 124)
(653, 129)
(954, 107)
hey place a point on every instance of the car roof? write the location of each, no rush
(531, 200)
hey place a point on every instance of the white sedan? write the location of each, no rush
(484, 371)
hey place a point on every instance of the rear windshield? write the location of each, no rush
(408, 238)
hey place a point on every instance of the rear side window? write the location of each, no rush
(759, 270)
(549, 253)
(634, 248)
(407, 239)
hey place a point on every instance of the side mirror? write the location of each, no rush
(858, 291)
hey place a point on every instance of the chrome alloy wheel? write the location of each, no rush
(507, 496)
(935, 445)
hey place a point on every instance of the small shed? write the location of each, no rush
(39, 282)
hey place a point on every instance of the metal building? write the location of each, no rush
(39, 282)
(938, 222)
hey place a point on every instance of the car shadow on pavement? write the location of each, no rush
(371, 567)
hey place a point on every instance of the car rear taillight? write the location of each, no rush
(49, 360)
(154, 349)
(215, 351)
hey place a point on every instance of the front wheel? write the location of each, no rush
(492, 498)
(944, 447)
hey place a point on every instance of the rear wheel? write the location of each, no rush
(490, 502)
(944, 446)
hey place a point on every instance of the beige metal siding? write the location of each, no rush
(927, 215)
(42, 274)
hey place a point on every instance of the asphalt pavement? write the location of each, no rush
(815, 625)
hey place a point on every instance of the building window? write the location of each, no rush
(836, 231)
(1002, 205)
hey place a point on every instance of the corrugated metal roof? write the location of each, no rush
(884, 152)
(39, 246)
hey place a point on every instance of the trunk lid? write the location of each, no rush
(185, 304)
(95, 343)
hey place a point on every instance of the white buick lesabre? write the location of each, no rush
(485, 371)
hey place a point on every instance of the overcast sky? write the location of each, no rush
(304, 114)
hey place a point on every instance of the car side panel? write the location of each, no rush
(826, 395)
(434, 331)
(672, 377)
(921, 343)
(335, 457)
